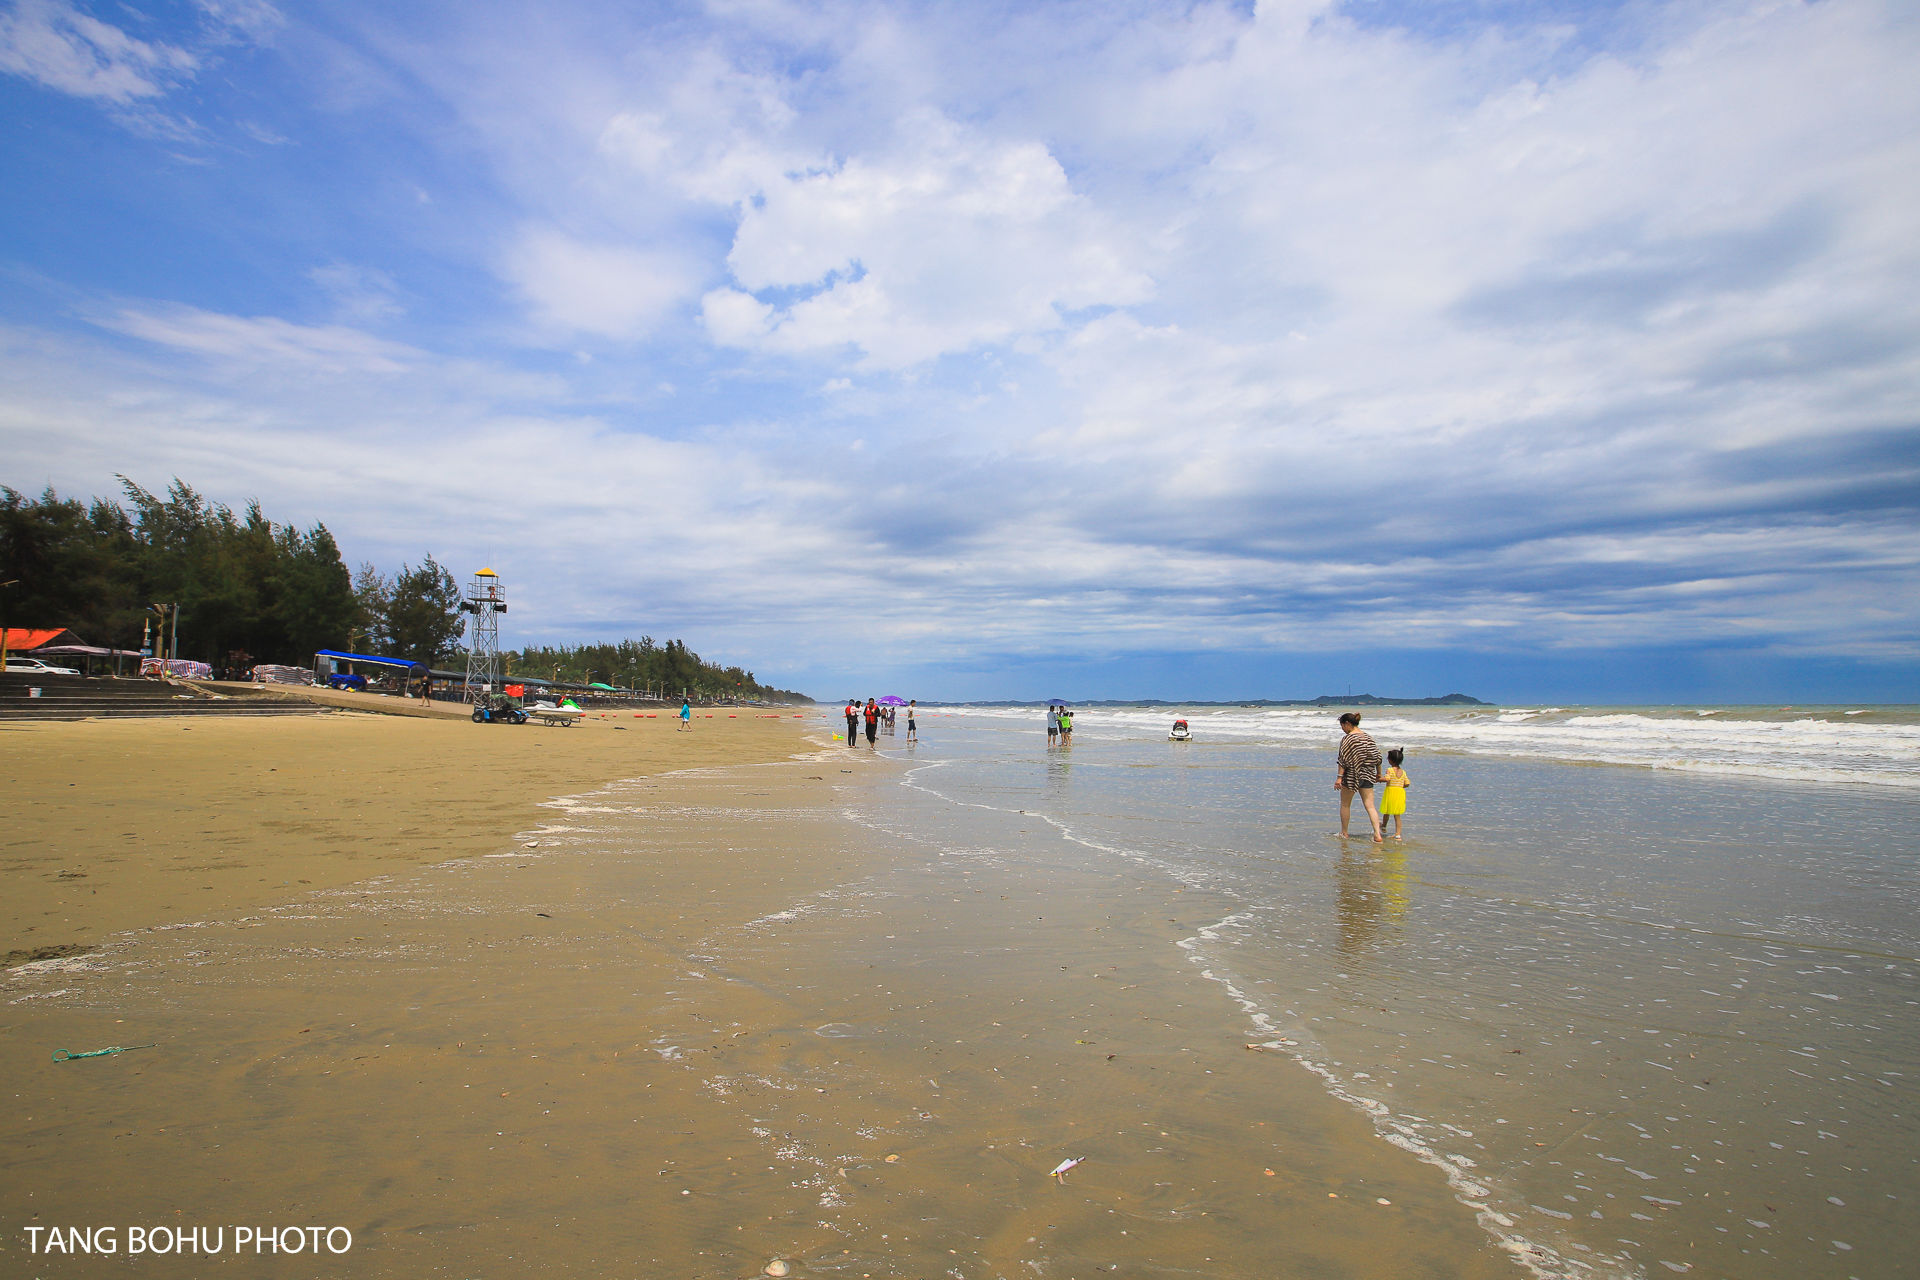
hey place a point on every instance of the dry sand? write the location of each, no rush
(681, 1026)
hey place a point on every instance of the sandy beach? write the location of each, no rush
(124, 824)
(680, 1023)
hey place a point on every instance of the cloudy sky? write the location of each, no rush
(1540, 350)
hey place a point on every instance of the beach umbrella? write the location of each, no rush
(893, 700)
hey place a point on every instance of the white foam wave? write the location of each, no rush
(1406, 1133)
(1788, 745)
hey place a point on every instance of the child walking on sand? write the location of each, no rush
(1394, 803)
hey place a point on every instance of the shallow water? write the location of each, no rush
(1663, 1017)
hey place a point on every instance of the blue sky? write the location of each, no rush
(971, 350)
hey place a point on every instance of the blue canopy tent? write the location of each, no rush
(323, 675)
(340, 655)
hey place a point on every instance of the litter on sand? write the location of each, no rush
(1061, 1170)
(66, 1055)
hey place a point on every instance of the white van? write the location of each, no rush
(35, 667)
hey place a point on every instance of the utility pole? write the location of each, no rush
(11, 582)
(163, 616)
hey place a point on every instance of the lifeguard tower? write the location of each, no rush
(486, 601)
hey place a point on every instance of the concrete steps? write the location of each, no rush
(102, 697)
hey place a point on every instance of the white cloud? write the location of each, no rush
(393, 465)
(254, 20)
(263, 341)
(713, 133)
(361, 295)
(56, 45)
(735, 319)
(948, 241)
(610, 290)
(59, 46)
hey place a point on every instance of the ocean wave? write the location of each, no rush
(1791, 745)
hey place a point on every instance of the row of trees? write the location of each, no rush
(242, 582)
(246, 585)
(414, 614)
(643, 664)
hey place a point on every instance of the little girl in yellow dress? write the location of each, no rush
(1393, 804)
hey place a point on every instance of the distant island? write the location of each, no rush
(1324, 700)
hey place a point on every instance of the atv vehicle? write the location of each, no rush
(498, 709)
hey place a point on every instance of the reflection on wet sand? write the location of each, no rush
(1371, 894)
(1059, 766)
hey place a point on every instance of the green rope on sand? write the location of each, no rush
(67, 1055)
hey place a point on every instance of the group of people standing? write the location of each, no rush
(1357, 770)
(1059, 724)
(876, 716)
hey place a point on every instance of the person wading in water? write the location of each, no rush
(1357, 769)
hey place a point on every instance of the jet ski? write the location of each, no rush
(547, 713)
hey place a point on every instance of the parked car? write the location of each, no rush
(35, 667)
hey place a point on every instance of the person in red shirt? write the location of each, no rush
(873, 720)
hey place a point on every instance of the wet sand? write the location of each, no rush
(683, 1025)
(123, 824)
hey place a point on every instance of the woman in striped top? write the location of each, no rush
(1357, 769)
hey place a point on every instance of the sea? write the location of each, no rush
(1639, 982)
